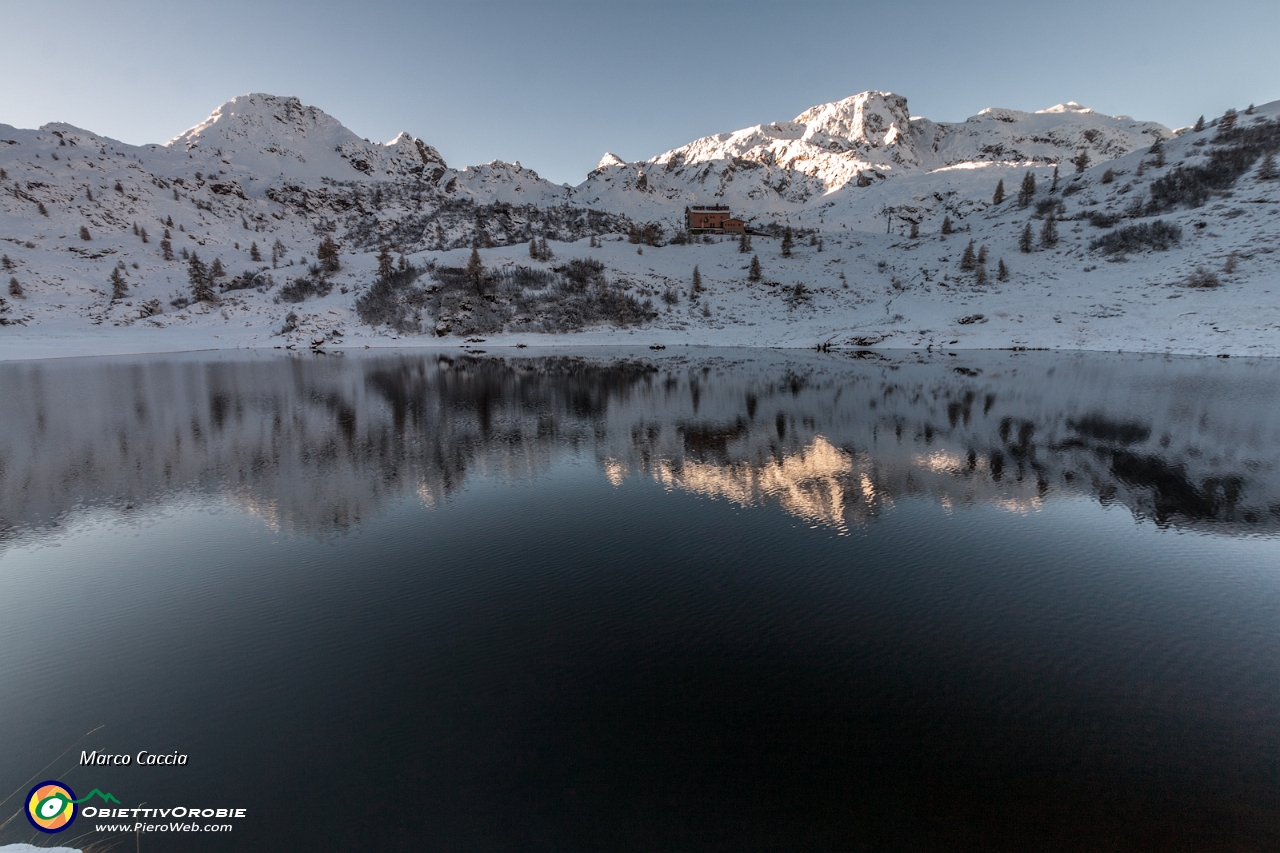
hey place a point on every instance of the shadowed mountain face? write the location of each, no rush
(319, 445)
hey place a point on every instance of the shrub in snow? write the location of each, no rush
(1158, 235)
(1240, 148)
(301, 289)
(1203, 278)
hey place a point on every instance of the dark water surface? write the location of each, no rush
(722, 601)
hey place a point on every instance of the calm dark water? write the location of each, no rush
(711, 602)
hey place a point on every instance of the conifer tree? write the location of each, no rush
(1025, 241)
(255, 254)
(787, 242)
(386, 267)
(135, 229)
(1157, 152)
(15, 289)
(999, 194)
(166, 249)
(1028, 189)
(327, 255)
(544, 251)
(1199, 124)
(198, 277)
(6, 262)
(981, 275)
(1053, 188)
(753, 274)
(982, 256)
(967, 260)
(697, 282)
(744, 244)
(88, 191)
(168, 222)
(217, 270)
(1108, 176)
(915, 230)
(1002, 271)
(1049, 232)
(475, 271)
(1142, 168)
(533, 248)
(84, 233)
(1267, 170)
(1227, 123)
(946, 224)
(142, 232)
(119, 287)
(1081, 160)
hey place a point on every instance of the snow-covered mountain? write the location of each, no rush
(870, 190)
(872, 135)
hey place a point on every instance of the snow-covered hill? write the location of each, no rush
(868, 190)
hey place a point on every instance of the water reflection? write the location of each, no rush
(318, 444)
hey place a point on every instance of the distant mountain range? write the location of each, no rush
(268, 176)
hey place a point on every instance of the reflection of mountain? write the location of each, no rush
(321, 444)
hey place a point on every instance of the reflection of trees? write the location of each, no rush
(322, 444)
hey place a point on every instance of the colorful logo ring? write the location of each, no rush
(51, 806)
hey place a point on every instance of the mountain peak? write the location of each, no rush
(280, 134)
(1068, 107)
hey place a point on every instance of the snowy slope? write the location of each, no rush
(857, 175)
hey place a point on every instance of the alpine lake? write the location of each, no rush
(686, 600)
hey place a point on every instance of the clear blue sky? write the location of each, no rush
(556, 84)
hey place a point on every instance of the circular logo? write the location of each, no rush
(51, 806)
